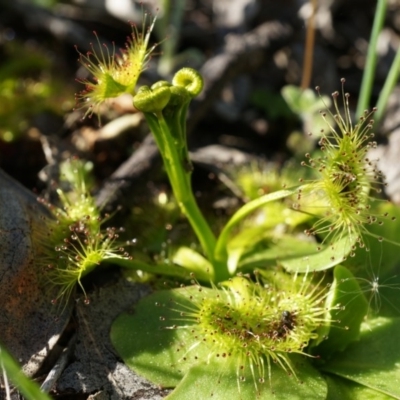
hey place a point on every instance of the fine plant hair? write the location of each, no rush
(372, 286)
(341, 194)
(250, 326)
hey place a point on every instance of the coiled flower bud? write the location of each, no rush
(152, 99)
(190, 79)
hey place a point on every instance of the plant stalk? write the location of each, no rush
(370, 64)
(390, 83)
(180, 179)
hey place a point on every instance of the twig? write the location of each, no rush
(139, 162)
(309, 50)
(58, 368)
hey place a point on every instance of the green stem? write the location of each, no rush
(243, 212)
(176, 122)
(181, 185)
(369, 70)
(390, 83)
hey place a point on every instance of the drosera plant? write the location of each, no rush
(348, 168)
(164, 105)
(347, 177)
(74, 239)
(242, 337)
(115, 73)
(78, 237)
(344, 183)
(273, 332)
(339, 196)
(258, 331)
(245, 321)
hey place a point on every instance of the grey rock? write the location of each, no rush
(30, 324)
(96, 368)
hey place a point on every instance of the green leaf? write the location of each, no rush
(383, 255)
(14, 373)
(257, 237)
(346, 323)
(280, 248)
(220, 381)
(320, 260)
(343, 389)
(374, 361)
(248, 240)
(304, 101)
(194, 262)
(241, 214)
(145, 343)
(149, 344)
(307, 104)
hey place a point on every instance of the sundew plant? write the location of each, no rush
(114, 73)
(74, 239)
(262, 312)
(270, 323)
(271, 305)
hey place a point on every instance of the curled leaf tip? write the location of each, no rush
(190, 79)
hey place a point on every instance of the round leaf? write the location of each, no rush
(374, 361)
(220, 382)
(343, 389)
(346, 323)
